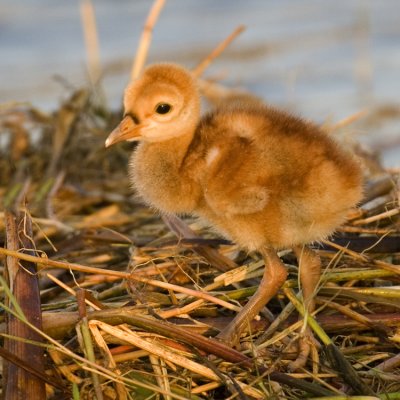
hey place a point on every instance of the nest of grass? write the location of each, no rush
(103, 299)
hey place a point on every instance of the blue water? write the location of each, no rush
(305, 55)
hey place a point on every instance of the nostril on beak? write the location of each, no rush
(133, 117)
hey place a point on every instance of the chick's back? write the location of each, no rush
(271, 179)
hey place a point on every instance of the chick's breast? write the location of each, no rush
(161, 181)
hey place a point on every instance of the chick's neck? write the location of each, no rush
(162, 177)
(172, 151)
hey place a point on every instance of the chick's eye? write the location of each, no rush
(163, 108)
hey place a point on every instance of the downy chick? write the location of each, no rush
(263, 178)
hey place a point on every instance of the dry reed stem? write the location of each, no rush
(388, 365)
(145, 39)
(203, 389)
(371, 231)
(348, 120)
(62, 368)
(117, 358)
(52, 193)
(281, 335)
(125, 275)
(111, 364)
(362, 319)
(200, 68)
(23, 297)
(161, 375)
(86, 344)
(91, 40)
(166, 354)
(361, 257)
(364, 361)
(70, 290)
(378, 217)
(181, 310)
(240, 273)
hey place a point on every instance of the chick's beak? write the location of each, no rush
(126, 130)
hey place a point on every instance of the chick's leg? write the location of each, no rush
(310, 273)
(274, 276)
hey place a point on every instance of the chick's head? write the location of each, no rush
(162, 104)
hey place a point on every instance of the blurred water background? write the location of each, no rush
(325, 60)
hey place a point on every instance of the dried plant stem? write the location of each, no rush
(389, 364)
(364, 258)
(70, 290)
(52, 194)
(310, 320)
(166, 354)
(198, 71)
(65, 370)
(181, 310)
(345, 250)
(205, 388)
(160, 372)
(362, 319)
(361, 274)
(24, 298)
(89, 353)
(145, 39)
(91, 40)
(378, 217)
(348, 120)
(123, 275)
(281, 335)
(111, 362)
